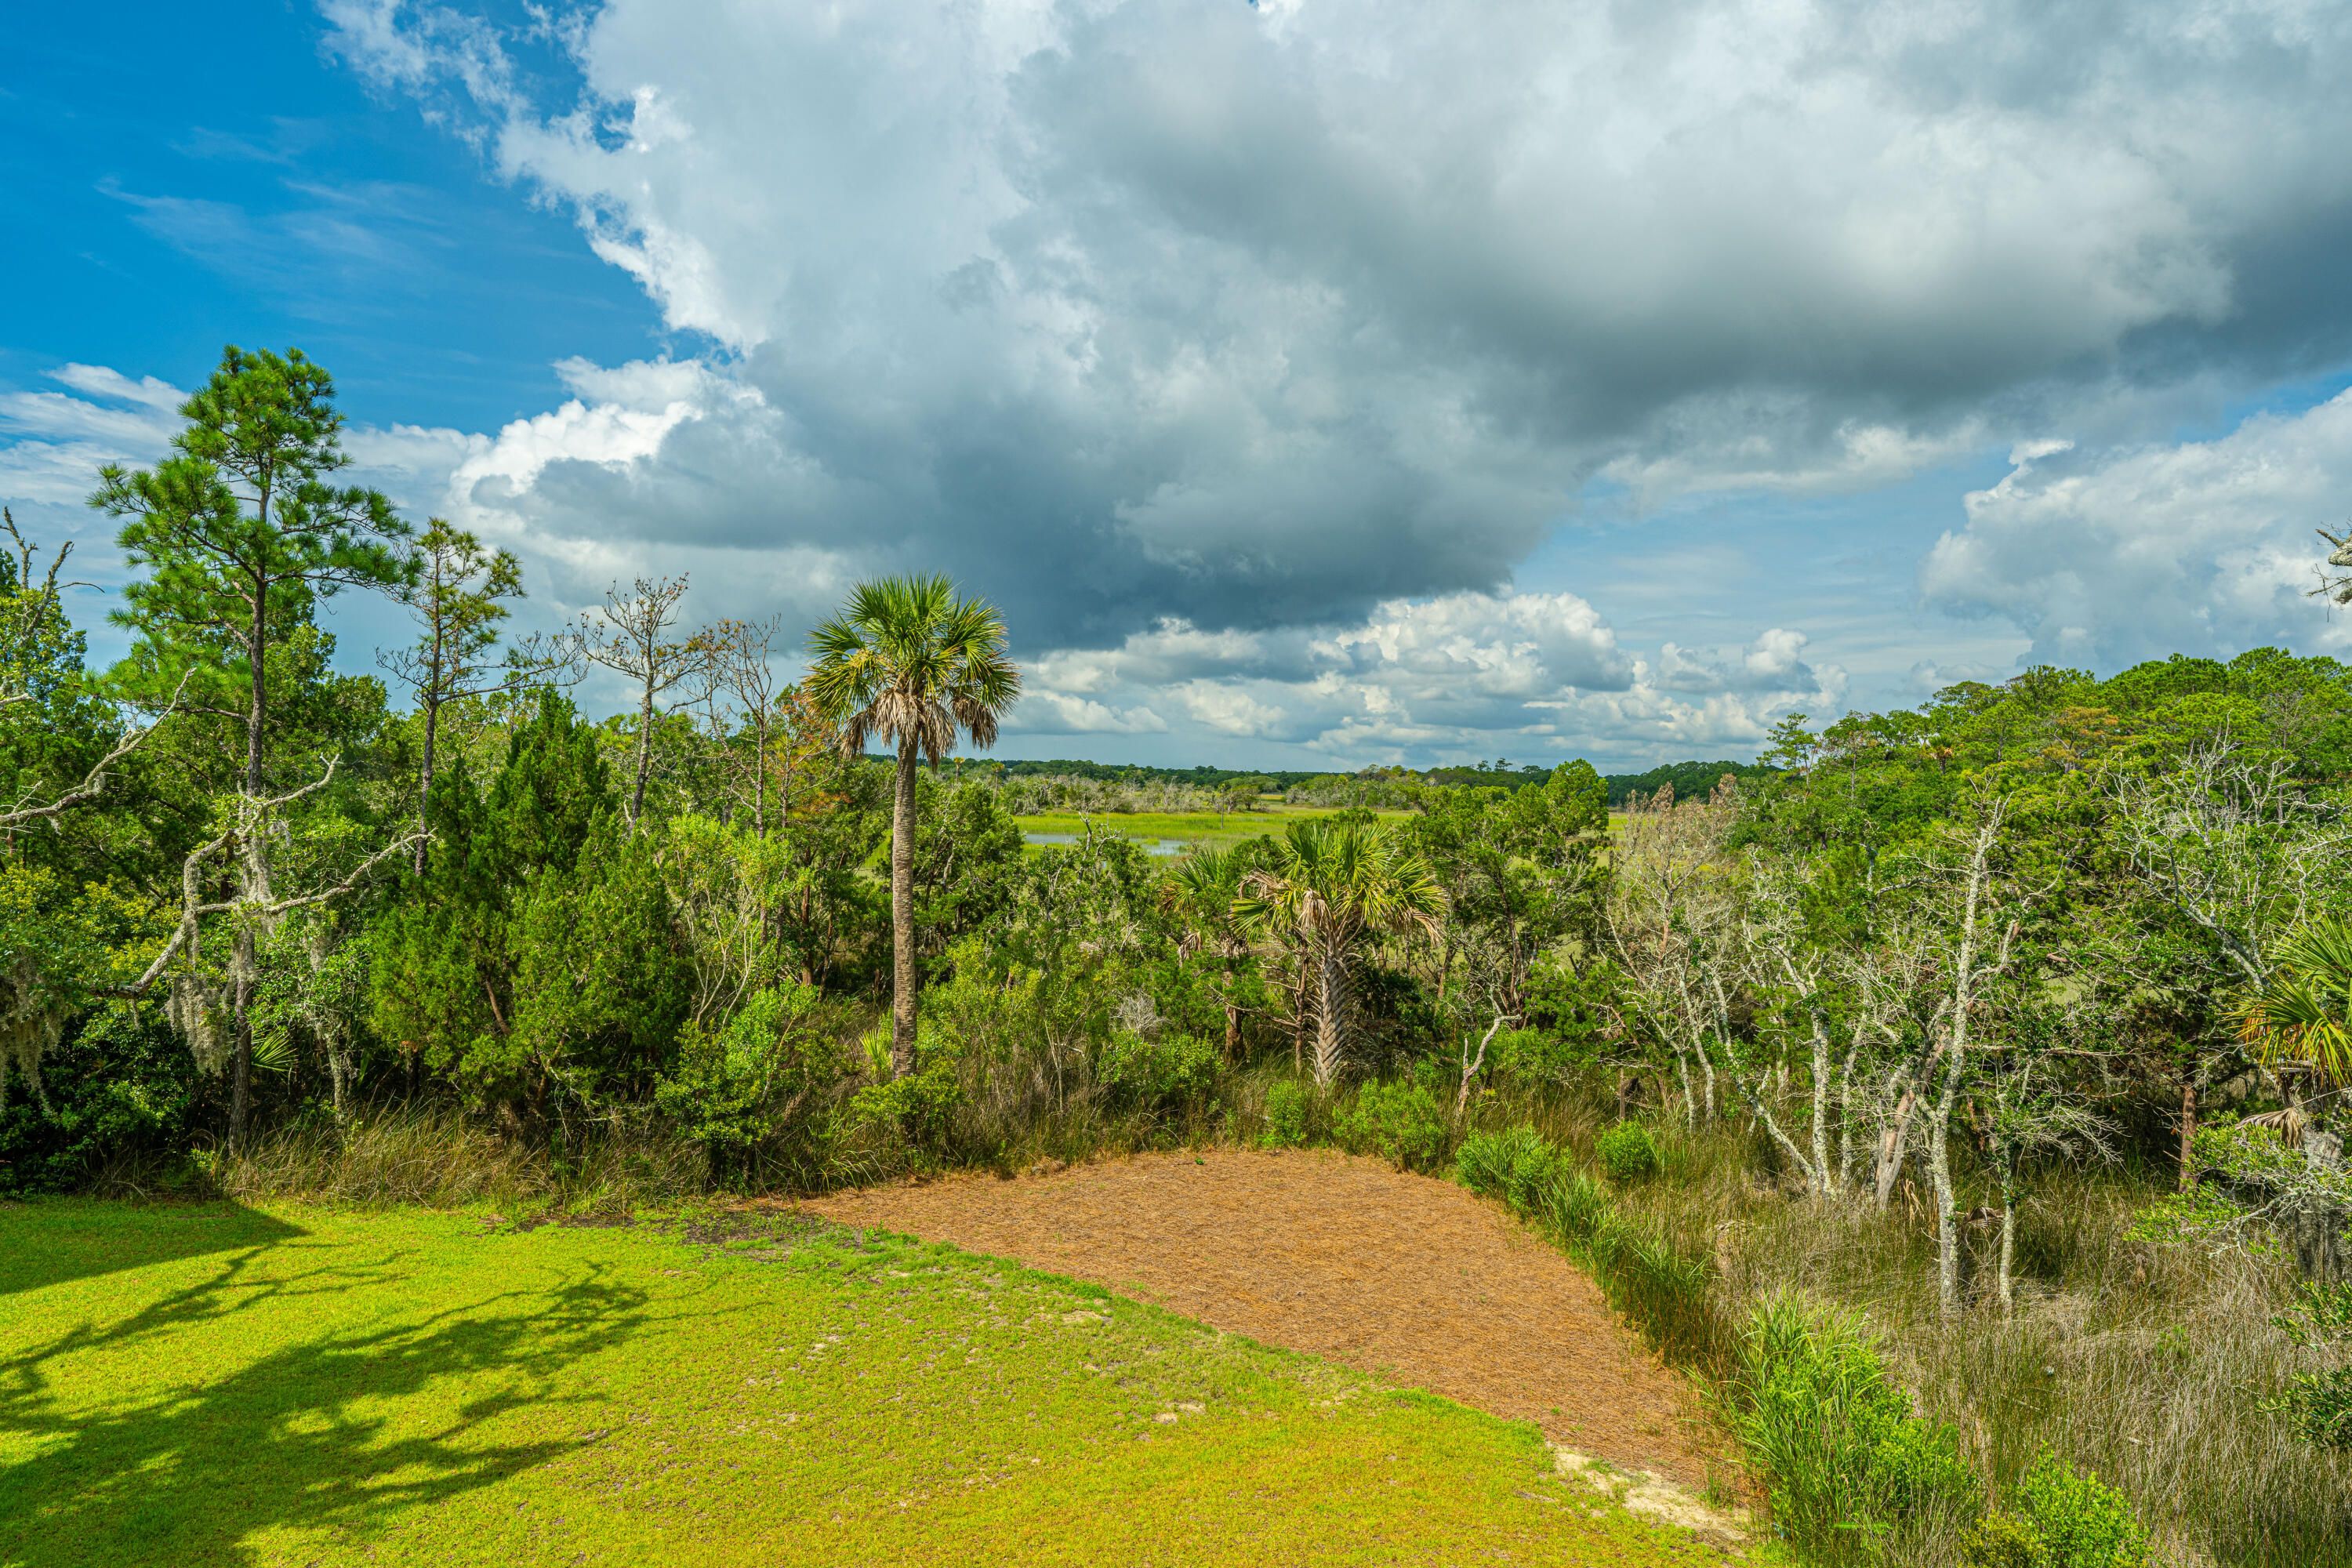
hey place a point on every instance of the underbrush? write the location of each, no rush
(437, 1158)
(2146, 1368)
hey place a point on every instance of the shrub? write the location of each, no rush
(1406, 1123)
(2085, 1523)
(1518, 1167)
(1629, 1153)
(1537, 1056)
(2002, 1541)
(1165, 1074)
(1844, 1454)
(2318, 1405)
(1287, 1108)
(763, 1077)
(2065, 1519)
(920, 1107)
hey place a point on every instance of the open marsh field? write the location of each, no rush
(218, 1384)
(1189, 828)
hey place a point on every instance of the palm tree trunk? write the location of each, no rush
(1333, 996)
(902, 917)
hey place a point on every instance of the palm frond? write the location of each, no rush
(2304, 1012)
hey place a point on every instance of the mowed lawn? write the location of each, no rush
(192, 1384)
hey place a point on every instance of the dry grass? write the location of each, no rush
(2148, 1364)
(436, 1158)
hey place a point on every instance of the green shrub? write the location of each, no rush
(1165, 1074)
(2002, 1541)
(919, 1107)
(1287, 1110)
(756, 1076)
(1406, 1123)
(1517, 1166)
(2318, 1405)
(1629, 1153)
(1539, 1056)
(1843, 1454)
(2080, 1519)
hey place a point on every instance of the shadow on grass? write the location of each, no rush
(313, 1436)
(50, 1241)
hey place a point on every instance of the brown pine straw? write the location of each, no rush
(1404, 1277)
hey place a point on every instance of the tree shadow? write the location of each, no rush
(50, 1241)
(284, 1441)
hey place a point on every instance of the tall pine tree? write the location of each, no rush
(240, 533)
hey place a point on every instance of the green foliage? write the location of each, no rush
(2063, 1518)
(1408, 1124)
(2004, 1541)
(1518, 1167)
(1690, 781)
(2318, 1405)
(1539, 1056)
(1845, 1459)
(1629, 1152)
(120, 1086)
(239, 531)
(760, 1078)
(919, 1107)
(1289, 1110)
(1169, 1073)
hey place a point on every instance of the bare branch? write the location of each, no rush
(94, 784)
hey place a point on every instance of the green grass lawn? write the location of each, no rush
(223, 1385)
(1191, 827)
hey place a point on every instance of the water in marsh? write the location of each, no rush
(1150, 846)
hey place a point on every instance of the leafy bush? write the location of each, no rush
(1539, 1056)
(2318, 1405)
(762, 1074)
(2003, 1541)
(920, 1107)
(1406, 1123)
(1287, 1111)
(1629, 1153)
(1845, 1455)
(1165, 1074)
(2065, 1519)
(121, 1086)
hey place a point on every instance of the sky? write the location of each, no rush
(1311, 385)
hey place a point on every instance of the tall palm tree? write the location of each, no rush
(2303, 1013)
(909, 663)
(1327, 887)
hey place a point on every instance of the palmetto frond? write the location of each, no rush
(1335, 882)
(907, 661)
(2304, 1012)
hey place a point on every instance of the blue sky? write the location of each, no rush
(1313, 385)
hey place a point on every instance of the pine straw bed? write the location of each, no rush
(1412, 1280)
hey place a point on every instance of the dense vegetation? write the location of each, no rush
(2016, 1022)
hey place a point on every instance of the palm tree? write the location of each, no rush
(1201, 892)
(2304, 1011)
(908, 662)
(1327, 887)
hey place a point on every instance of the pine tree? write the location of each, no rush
(240, 534)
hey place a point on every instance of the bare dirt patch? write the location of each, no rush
(1407, 1278)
